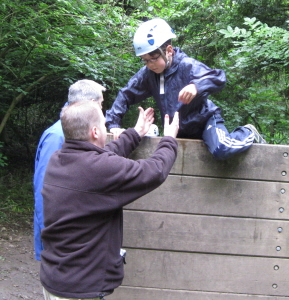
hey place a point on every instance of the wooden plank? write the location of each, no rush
(207, 273)
(135, 293)
(215, 196)
(206, 234)
(212, 231)
(260, 162)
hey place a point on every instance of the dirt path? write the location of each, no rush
(19, 271)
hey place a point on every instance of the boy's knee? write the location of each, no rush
(221, 154)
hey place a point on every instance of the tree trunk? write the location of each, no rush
(18, 99)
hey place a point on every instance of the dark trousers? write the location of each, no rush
(223, 144)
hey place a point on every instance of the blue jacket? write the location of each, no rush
(51, 140)
(183, 71)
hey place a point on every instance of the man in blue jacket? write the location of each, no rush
(50, 141)
(179, 83)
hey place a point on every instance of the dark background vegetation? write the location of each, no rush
(47, 45)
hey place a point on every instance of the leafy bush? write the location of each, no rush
(16, 192)
(3, 158)
(257, 73)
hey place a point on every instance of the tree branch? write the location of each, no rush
(18, 99)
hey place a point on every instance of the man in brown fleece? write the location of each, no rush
(86, 185)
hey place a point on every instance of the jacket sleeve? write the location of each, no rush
(49, 142)
(207, 80)
(126, 143)
(132, 179)
(134, 92)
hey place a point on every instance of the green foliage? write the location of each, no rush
(257, 71)
(16, 192)
(3, 158)
(41, 43)
(47, 45)
(264, 46)
(273, 12)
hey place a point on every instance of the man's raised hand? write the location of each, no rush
(145, 119)
(173, 128)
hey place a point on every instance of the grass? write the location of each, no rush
(16, 194)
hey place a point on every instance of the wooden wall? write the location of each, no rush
(214, 230)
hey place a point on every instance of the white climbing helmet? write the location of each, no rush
(153, 131)
(151, 35)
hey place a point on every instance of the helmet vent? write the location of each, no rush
(151, 40)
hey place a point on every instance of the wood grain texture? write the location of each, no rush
(136, 293)
(215, 196)
(213, 230)
(206, 272)
(261, 161)
(206, 234)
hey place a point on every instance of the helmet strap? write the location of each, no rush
(164, 58)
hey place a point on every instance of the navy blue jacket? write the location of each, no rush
(183, 71)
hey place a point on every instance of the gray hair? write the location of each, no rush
(85, 89)
(78, 117)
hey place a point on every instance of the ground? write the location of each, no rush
(19, 271)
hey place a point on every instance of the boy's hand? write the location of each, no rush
(116, 132)
(188, 93)
(145, 119)
(173, 128)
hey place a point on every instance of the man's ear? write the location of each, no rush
(94, 133)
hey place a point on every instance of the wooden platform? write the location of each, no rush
(214, 230)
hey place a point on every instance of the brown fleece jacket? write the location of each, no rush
(85, 189)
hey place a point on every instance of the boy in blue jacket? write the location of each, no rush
(179, 83)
